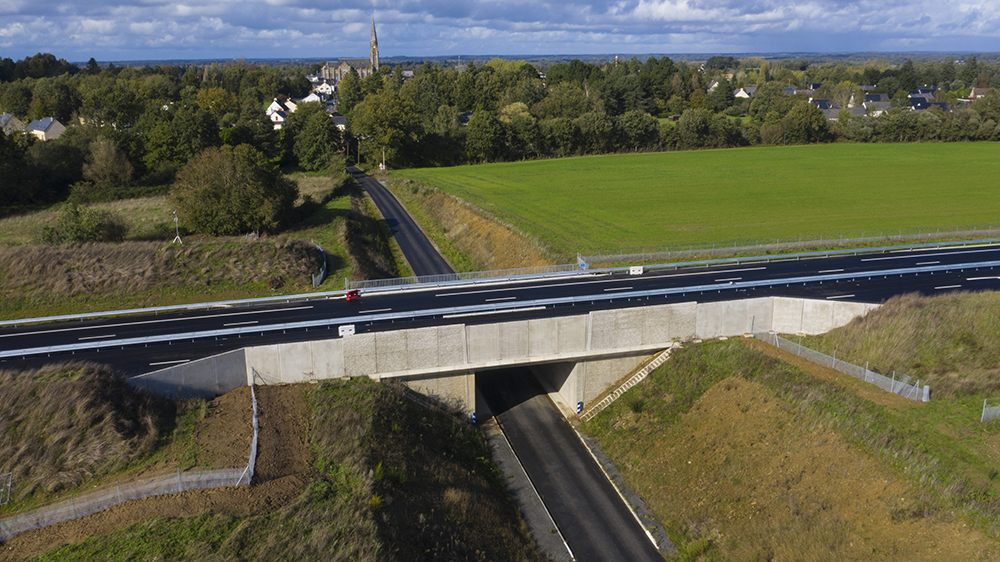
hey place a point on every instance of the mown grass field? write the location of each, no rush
(652, 201)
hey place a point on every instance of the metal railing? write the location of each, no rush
(632, 381)
(978, 232)
(101, 498)
(498, 275)
(490, 308)
(901, 385)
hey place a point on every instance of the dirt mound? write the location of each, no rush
(754, 478)
(279, 477)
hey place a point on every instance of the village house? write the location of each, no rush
(46, 129)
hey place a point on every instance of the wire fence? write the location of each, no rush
(319, 276)
(990, 412)
(103, 497)
(901, 385)
(778, 244)
(467, 276)
(5, 481)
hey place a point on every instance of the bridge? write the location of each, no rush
(579, 356)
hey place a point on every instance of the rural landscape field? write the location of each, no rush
(654, 201)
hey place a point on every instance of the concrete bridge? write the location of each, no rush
(579, 356)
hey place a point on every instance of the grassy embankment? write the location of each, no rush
(744, 456)
(670, 200)
(148, 270)
(389, 480)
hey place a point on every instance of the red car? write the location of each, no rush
(352, 294)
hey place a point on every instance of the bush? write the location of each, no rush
(80, 224)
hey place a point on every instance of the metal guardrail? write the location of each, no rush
(541, 271)
(492, 308)
(487, 277)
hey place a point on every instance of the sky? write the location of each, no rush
(123, 30)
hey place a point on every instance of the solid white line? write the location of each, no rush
(170, 362)
(467, 314)
(830, 271)
(240, 323)
(374, 311)
(97, 337)
(619, 492)
(507, 289)
(728, 279)
(501, 299)
(947, 287)
(981, 278)
(840, 297)
(141, 322)
(617, 289)
(928, 263)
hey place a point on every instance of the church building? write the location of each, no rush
(364, 67)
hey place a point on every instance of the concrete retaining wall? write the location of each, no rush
(584, 353)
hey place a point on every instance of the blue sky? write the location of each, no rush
(120, 30)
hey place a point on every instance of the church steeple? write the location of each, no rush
(373, 55)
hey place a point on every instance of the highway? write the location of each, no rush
(860, 278)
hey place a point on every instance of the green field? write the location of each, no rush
(652, 201)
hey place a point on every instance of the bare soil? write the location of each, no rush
(747, 474)
(283, 457)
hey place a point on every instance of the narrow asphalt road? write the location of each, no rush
(593, 519)
(423, 257)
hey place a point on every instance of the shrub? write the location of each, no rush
(80, 224)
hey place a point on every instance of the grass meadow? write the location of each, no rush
(652, 201)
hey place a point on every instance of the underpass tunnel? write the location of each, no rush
(499, 390)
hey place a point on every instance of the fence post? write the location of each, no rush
(117, 483)
(983, 417)
(800, 347)
(179, 489)
(72, 501)
(892, 383)
(834, 364)
(927, 393)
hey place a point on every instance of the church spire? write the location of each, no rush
(373, 55)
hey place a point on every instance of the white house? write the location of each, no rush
(46, 129)
(278, 118)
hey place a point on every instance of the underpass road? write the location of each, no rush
(591, 516)
(422, 256)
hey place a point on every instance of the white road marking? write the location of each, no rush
(830, 271)
(170, 362)
(487, 313)
(374, 311)
(508, 289)
(928, 263)
(982, 278)
(947, 287)
(97, 337)
(141, 322)
(617, 289)
(730, 279)
(501, 299)
(840, 297)
(240, 323)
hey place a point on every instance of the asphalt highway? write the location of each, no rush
(860, 278)
(423, 257)
(592, 518)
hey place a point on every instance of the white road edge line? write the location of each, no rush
(240, 323)
(97, 337)
(928, 262)
(374, 311)
(830, 271)
(501, 299)
(617, 289)
(170, 362)
(840, 297)
(947, 287)
(911, 255)
(533, 489)
(612, 482)
(729, 279)
(981, 278)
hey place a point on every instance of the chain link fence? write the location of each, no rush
(319, 276)
(103, 497)
(467, 276)
(901, 385)
(990, 412)
(759, 247)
